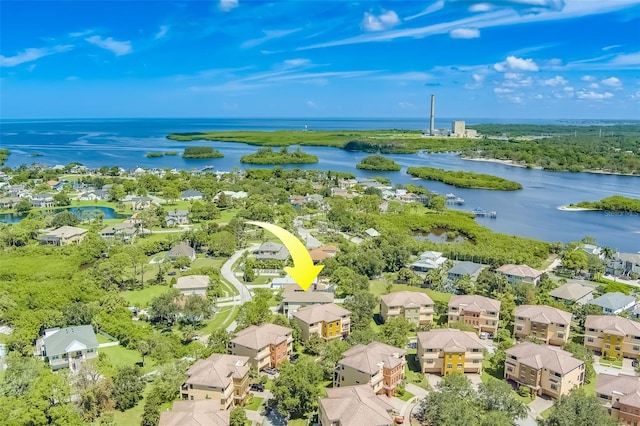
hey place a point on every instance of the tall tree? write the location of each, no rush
(578, 409)
(128, 385)
(296, 390)
(361, 304)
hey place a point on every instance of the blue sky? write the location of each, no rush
(238, 58)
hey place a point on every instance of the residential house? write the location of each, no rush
(323, 252)
(267, 345)
(446, 350)
(177, 217)
(376, 364)
(271, 251)
(342, 193)
(621, 396)
(482, 313)
(42, 201)
(571, 293)
(592, 250)
(543, 322)
(297, 201)
(182, 249)
(125, 232)
(417, 308)
(294, 300)
(371, 232)
(614, 303)
(9, 202)
(68, 347)
(140, 203)
(191, 195)
(195, 413)
(547, 370)
(234, 195)
(222, 378)
(354, 406)
(279, 283)
(328, 321)
(63, 236)
(96, 195)
(612, 336)
(624, 264)
(464, 268)
(193, 285)
(410, 197)
(520, 274)
(427, 261)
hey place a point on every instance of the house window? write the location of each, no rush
(449, 365)
(509, 369)
(636, 348)
(476, 361)
(459, 366)
(519, 328)
(554, 386)
(429, 361)
(590, 339)
(560, 335)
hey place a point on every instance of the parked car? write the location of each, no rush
(270, 370)
(257, 387)
(294, 357)
(483, 335)
(172, 273)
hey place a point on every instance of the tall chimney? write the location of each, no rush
(432, 129)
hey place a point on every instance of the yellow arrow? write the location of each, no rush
(303, 270)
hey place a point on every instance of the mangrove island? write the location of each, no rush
(198, 152)
(269, 156)
(464, 179)
(379, 163)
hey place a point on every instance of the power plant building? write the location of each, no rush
(459, 130)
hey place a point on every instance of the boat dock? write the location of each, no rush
(452, 199)
(478, 212)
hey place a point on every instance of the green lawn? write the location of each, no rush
(120, 356)
(253, 404)
(222, 319)
(412, 370)
(133, 416)
(378, 288)
(615, 363)
(102, 338)
(297, 422)
(405, 396)
(142, 298)
(208, 262)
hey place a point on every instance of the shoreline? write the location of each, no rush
(577, 209)
(512, 164)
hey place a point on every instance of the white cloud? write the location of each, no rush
(627, 59)
(465, 33)
(31, 67)
(502, 90)
(538, 96)
(80, 33)
(477, 78)
(594, 86)
(480, 7)
(516, 64)
(32, 54)
(227, 5)
(405, 105)
(429, 10)
(568, 89)
(268, 35)
(164, 29)
(299, 62)
(594, 96)
(523, 82)
(613, 46)
(588, 78)
(312, 104)
(612, 82)
(555, 81)
(119, 48)
(413, 76)
(512, 76)
(384, 21)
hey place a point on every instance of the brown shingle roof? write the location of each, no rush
(218, 370)
(356, 406)
(613, 325)
(368, 358)
(608, 384)
(539, 356)
(519, 271)
(475, 303)
(192, 281)
(315, 313)
(543, 314)
(257, 337)
(206, 412)
(450, 340)
(407, 299)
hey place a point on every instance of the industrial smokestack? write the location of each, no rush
(432, 130)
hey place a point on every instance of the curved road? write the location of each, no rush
(227, 274)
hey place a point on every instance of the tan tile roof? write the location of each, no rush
(323, 252)
(257, 337)
(608, 384)
(316, 313)
(368, 358)
(407, 299)
(307, 297)
(519, 271)
(450, 340)
(356, 406)
(539, 356)
(192, 281)
(218, 370)
(612, 324)
(67, 231)
(473, 303)
(571, 291)
(543, 314)
(206, 412)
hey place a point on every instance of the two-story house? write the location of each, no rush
(548, 324)
(68, 347)
(195, 413)
(624, 264)
(446, 350)
(547, 370)
(177, 217)
(294, 300)
(224, 378)
(267, 345)
(63, 236)
(271, 251)
(376, 364)
(354, 406)
(125, 232)
(193, 285)
(621, 396)
(417, 308)
(571, 293)
(612, 336)
(520, 274)
(427, 261)
(614, 303)
(328, 321)
(181, 249)
(465, 269)
(482, 313)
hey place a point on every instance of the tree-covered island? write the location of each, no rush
(379, 163)
(463, 179)
(4, 154)
(198, 152)
(269, 156)
(616, 203)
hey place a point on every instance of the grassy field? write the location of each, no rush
(222, 319)
(133, 416)
(253, 404)
(405, 396)
(142, 298)
(412, 370)
(120, 357)
(378, 288)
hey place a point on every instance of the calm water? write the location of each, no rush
(83, 212)
(531, 212)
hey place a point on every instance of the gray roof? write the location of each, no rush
(182, 249)
(59, 342)
(571, 291)
(190, 193)
(613, 301)
(465, 268)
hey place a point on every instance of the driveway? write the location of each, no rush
(627, 368)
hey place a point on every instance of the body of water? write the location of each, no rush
(83, 212)
(531, 212)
